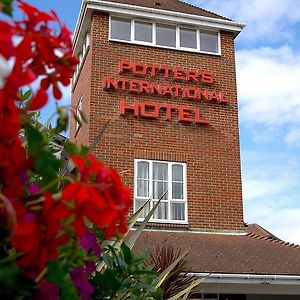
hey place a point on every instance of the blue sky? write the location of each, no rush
(268, 75)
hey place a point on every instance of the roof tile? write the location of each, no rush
(172, 5)
(222, 253)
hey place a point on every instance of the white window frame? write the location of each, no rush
(153, 44)
(83, 53)
(170, 199)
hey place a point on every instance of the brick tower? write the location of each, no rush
(166, 81)
(160, 77)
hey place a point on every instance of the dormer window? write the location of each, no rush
(188, 38)
(164, 35)
(120, 29)
(143, 32)
(209, 41)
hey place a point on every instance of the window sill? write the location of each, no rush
(164, 47)
(158, 221)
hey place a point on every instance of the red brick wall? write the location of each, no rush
(211, 151)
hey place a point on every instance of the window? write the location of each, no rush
(120, 29)
(78, 114)
(161, 180)
(86, 44)
(209, 41)
(163, 35)
(85, 47)
(143, 32)
(188, 38)
(80, 56)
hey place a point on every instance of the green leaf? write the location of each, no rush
(185, 293)
(60, 276)
(72, 148)
(140, 258)
(62, 122)
(130, 240)
(9, 273)
(46, 165)
(35, 140)
(134, 217)
(106, 284)
(7, 7)
(162, 276)
(26, 95)
(107, 260)
(126, 253)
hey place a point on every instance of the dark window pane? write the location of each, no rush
(209, 41)
(177, 173)
(159, 189)
(143, 170)
(138, 204)
(142, 188)
(177, 190)
(166, 35)
(177, 211)
(143, 32)
(120, 29)
(161, 212)
(160, 171)
(188, 38)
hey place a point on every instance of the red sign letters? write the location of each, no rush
(154, 110)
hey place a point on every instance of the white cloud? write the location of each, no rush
(266, 19)
(268, 86)
(283, 223)
(293, 137)
(271, 193)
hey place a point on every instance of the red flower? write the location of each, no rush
(39, 100)
(35, 16)
(40, 52)
(6, 45)
(102, 199)
(39, 235)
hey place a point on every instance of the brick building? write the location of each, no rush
(162, 73)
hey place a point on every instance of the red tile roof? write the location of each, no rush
(257, 229)
(224, 253)
(172, 5)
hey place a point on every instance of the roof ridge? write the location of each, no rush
(272, 239)
(206, 10)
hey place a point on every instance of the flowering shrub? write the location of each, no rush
(48, 246)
